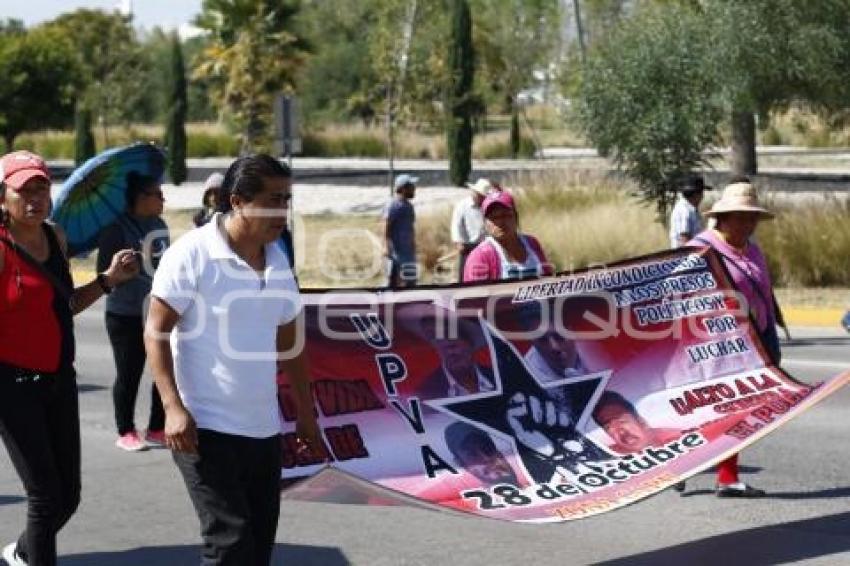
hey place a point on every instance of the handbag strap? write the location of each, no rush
(60, 287)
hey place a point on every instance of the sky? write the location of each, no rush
(168, 14)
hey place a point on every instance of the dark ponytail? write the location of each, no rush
(4, 214)
(245, 177)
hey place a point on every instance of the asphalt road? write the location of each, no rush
(135, 510)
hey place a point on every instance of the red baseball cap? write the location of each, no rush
(18, 167)
(503, 198)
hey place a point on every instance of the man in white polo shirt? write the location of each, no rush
(222, 320)
(685, 222)
(467, 225)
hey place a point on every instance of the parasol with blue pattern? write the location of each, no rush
(96, 192)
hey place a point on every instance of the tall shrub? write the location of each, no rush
(175, 133)
(461, 64)
(84, 146)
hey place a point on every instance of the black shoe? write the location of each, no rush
(679, 487)
(747, 491)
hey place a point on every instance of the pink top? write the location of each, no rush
(745, 268)
(484, 262)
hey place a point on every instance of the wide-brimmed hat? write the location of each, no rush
(739, 197)
(482, 186)
(502, 198)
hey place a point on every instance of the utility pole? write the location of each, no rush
(407, 36)
(580, 32)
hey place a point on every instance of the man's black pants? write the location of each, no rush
(234, 484)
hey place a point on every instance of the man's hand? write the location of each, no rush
(181, 435)
(308, 433)
(530, 416)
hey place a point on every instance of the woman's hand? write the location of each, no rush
(124, 266)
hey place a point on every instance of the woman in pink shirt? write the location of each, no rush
(505, 253)
(737, 215)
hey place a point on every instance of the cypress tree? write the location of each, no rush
(175, 131)
(84, 147)
(459, 99)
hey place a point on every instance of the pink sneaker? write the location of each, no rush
(131, 442)
(155, 438)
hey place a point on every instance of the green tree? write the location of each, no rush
(407, 44)
(39, 78)
(175, 130)
(779, 52)
(113, 66)
(338, 80)
(253, 54)
(11, 26)
(460, 93)
(84, 146)
(515, 38)
(677, 75)
(651, 98)
(198, 92)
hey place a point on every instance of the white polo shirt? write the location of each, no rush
(224, 345)
(684, 219)
(467, 222)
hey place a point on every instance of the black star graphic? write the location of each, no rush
(542, 420)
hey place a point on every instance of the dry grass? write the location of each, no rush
(827, 298)
(581, 220)
(338, 251)
(801, 127)
(586, 219)
(808, 244)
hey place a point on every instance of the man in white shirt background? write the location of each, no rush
(468, 221)
(685, 222)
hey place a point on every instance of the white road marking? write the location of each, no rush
(815, 363)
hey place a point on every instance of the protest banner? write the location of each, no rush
(540, 400)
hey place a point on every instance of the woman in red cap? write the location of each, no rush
(505, 253)
(39, 413)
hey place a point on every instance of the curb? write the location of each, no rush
(794, 316)
(813, 316)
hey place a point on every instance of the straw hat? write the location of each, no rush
(482, 186)
(739, 197)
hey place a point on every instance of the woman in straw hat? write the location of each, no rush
(737, 214)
